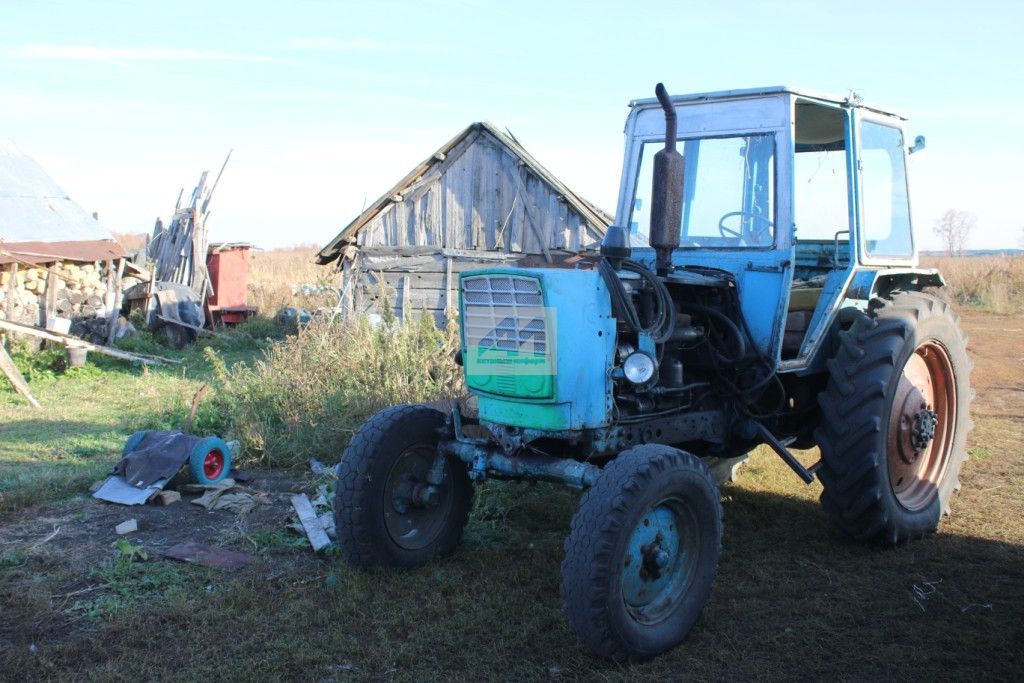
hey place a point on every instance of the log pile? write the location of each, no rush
(83, 292)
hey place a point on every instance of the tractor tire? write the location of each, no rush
(379, 520)
(642, 553)
(894, 419)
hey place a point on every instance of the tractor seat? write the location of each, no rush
(802, 301)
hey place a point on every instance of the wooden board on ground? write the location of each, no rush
(10, 369)
(307, 516)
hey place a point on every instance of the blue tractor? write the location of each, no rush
(774, 298)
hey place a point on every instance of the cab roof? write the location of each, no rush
(852, 100)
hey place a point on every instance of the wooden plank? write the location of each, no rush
(51, 294)
(410, 299)
(116, 307)
(533, 216)
(468, 166)
(307, 517)
(11, 371)
(404, 297)
(79, 343)
(447, 285)
(12, 286)
(394, 279)
(347, 287)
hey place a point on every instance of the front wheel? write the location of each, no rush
(642, 553)
(386, 511)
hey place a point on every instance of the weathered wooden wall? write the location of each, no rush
(482, 197)
(414, 281)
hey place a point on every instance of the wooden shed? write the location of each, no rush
(58, 264)
(481, 199)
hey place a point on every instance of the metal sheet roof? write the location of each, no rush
(34, 209)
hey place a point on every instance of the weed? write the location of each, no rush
(979, 453)
(127, 552)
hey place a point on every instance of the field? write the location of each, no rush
(793, 599)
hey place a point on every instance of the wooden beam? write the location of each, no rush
(82, 344)
(115, 308)
(11, 288)
(447, 286)
(11, 370)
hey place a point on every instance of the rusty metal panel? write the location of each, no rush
(229, 274)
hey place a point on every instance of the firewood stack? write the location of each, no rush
(82, 294)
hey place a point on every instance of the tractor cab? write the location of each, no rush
(790, 192)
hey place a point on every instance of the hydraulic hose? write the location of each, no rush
(624, 309)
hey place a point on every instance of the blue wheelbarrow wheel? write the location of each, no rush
(209, 461)
(133, 442)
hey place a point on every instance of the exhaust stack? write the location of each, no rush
(667, 190)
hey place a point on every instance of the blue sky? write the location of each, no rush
(327, 104)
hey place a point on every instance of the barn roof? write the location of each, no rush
(593, 215)
(38, 220)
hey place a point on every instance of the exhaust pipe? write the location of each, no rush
(667, 191)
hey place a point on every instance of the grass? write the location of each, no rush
(88, 413)
(792, 600)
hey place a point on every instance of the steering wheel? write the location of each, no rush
(758, 234)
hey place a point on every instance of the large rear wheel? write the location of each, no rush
(894, 422)
(386, 511)
(642, 553)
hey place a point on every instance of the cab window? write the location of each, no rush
(885, 208)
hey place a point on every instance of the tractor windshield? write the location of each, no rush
(728, 192)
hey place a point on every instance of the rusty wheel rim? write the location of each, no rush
(921, 426)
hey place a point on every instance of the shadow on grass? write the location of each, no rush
(792, 600)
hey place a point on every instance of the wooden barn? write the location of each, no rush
(480, 200)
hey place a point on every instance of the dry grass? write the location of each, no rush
(275, 277)
(307, 393)
(991, 283)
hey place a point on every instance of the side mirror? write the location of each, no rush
(919, 144)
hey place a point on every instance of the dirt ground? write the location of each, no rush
(80, 531)
(793, 598)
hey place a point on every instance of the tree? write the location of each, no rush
(954, 227)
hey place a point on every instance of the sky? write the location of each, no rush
(328, 104)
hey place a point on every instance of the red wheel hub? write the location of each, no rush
(921, 426)
(213, 464)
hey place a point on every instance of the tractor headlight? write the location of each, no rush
(638, 368)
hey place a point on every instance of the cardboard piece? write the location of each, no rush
(116, 490)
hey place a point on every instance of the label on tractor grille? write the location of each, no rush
(509, 336)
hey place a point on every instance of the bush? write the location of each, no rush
(308, 393)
